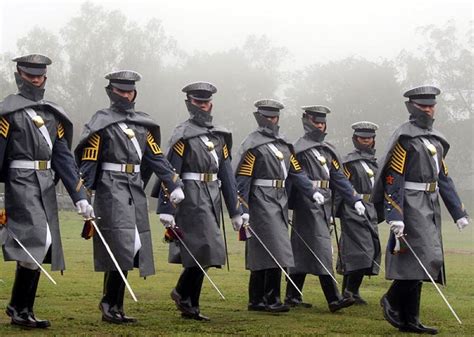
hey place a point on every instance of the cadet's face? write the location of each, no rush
(319, 125)
(129, 95)
(366, 141)
(203, 105)
(36, 80)
(273, 120)
(427, 109)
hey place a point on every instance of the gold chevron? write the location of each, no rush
(151, 142)
(92, 152)
(398, 159)
(346, 171)
(335, 163)
(60, 131)
(225, 151)
(294, 162)
(4, 127)
(246, 169)
(445, 167)
(179, 148)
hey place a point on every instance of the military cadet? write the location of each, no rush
(412, 177)
(200, 152)
(35, 139)
(267, 163)
(359, 244)
(311, 222)
(118, 151)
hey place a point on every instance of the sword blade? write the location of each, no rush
(195, 260)
(313, 253)
(431, 279)
(31, 256)
(274, 259)
(114, 260)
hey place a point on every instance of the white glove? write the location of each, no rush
(319, 198)
(167, 220)
(397, 228)
(237, 222)
(177, 195)
(85, 209)
(462, 222)
(359, 207)
(245, 218)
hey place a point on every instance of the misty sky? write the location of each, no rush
(313, 31)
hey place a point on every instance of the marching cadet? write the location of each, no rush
(35, 139)
(311, 222)
(412, 177)
(267, 163)
(200, 152)
(359, 244)
(118, 151)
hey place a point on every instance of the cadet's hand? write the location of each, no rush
(319, 198)
(167, 220)
(359, 207)
(177, 195)
(462, 223)
(237, 222)
(245, 218)
(397, 228)
(85, 209)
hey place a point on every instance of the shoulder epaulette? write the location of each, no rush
(60, 130)
(92, 152)
(246, 169)
(152, 144)
(179, 148)
(225, 151)
(294, 162)
(397, 161)
(4, 127)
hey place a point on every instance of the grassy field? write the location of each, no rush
(72, 304)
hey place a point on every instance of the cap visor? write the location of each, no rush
(364, 134)
(424, 101)
(33, 71)
(123, 86)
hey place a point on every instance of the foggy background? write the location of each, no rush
(355, 57)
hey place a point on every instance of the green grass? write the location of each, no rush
(72, 304)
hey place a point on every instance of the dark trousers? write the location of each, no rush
(265, 286)
(190, 284)
(114, 289)
(405, 296)
(328, 286)
(352, 281)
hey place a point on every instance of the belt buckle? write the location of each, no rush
(324, 183)
(42, 164)
(366, 197)
(278, 183)
(207, 177)
(431, 187)
(129, 168)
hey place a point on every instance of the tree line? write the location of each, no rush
(97, 41)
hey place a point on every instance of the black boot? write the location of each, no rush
(412, 313)
(108, 304)
(272, 290)
(23, 289)
(256, 291)
(40, 323)
(195, 294)
(119, 301)
(181, 295)
(351, 284)
(335, 301)
(293, 297)
(390, 303)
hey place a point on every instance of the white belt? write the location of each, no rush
(277, 183)
(126, 168)
(321, 183)
(31, 164)
(207, 177)
(427, 187)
